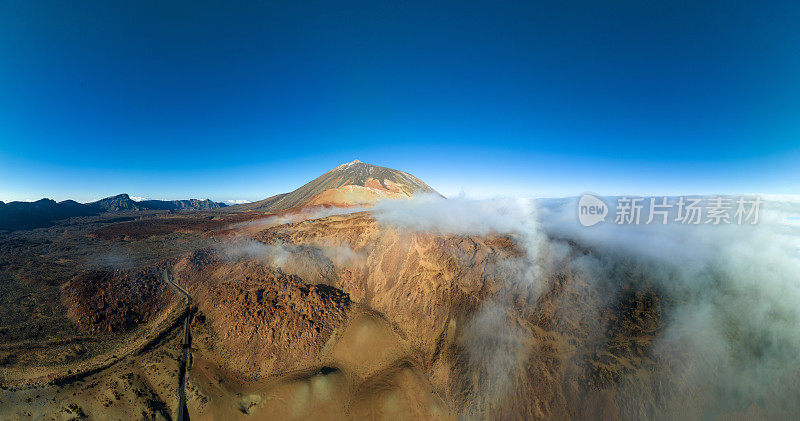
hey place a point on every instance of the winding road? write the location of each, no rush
(182, 411)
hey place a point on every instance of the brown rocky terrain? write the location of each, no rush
(268, 320)
(419, 280)
(199, 223)
(485, 346)
(451, 297)
(115, 300)
(376, 314)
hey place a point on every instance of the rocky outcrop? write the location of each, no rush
(267, 322)
(111, 301)
(123, 201)
(116, 203)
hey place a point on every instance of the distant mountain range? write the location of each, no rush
(351, 184)
(42, 213)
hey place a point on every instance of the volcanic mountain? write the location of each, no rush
(352, 184)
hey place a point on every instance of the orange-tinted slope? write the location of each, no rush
(369, 183)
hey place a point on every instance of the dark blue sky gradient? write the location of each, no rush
(242, 100)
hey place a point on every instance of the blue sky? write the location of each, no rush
(238, 100)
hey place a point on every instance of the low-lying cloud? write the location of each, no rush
(433, 213)
(310, 262)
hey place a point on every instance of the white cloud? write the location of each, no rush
(138, 198)
(432, 213)
(237, 201)
(733, 292)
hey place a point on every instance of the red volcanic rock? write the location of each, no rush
(267, 322)
(114, 300)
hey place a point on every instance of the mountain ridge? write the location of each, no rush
(124, 202)
(41, 213)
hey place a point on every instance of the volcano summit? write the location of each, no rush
(352, 184)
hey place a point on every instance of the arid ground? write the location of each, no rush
(336, 312)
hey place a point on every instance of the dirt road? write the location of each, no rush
(187, 343)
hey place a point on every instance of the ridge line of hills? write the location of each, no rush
(41, 213)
